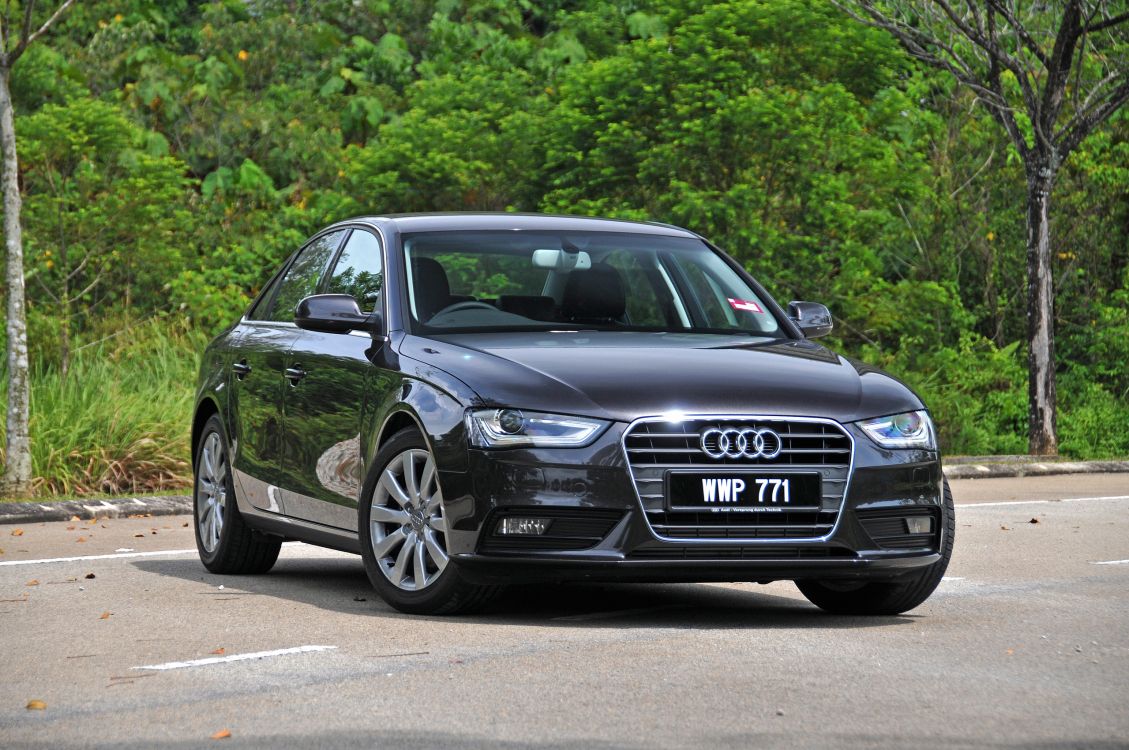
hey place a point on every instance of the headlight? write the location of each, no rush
(912, 429)
(510, 428)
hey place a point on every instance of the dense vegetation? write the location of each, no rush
(174, 152)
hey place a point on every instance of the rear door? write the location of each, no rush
(323, 409)
(259, 362)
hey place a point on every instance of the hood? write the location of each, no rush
(626, 375)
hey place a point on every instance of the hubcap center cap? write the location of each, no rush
(415, 516)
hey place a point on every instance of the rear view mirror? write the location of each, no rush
(334, 313)
(812, 318)
(561, 260)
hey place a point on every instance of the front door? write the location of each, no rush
(323, 409)
(263, 344)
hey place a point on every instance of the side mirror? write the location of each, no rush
(334, 313)
(812, 318)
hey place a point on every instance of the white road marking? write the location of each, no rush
(964, 506)
(100, 557)
(115, 556)
(952, 578)
(1111, 562)
(235, 657)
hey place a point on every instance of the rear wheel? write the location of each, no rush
(886, 598)
(226, 544)
(403, 533)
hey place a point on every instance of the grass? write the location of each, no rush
(118, 422)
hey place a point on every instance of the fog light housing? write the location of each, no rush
(920, 524)
(519, 526)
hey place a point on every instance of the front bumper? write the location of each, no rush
(609, 539)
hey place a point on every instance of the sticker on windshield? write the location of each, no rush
(745, 304)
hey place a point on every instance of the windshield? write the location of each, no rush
(462, 282)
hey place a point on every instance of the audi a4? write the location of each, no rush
(474, 400)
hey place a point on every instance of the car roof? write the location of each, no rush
(440, 222)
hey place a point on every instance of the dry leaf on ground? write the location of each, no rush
(90, 575)
(223, 734)
(1034, 520)
(32, 582)
(219, 651)
(17, 532)
(105, 616)
(36, 705)
(80, 540)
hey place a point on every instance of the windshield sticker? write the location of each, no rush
(745, 304)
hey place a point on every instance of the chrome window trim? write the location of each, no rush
(759, 541)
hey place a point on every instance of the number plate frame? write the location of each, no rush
(806, 491)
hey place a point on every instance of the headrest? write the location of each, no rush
(432, 290)
(594, 294)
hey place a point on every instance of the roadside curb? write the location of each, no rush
(64, 510)
(1032, 469)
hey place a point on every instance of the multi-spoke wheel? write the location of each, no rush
(211, 492)
(408, 528)
(404, 533)
(225, 542)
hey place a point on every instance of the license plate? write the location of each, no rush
(743, 492)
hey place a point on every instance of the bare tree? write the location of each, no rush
(16, 35)
(1049, 73)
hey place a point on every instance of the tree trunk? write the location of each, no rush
(1041, 396)
(17, 477)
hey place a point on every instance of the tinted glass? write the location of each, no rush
(467, 281)
(358, 271)
(302, 277)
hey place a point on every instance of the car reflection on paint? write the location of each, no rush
(480, 399)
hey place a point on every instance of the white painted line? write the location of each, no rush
(235, 657)
(1112, 562)
(100, 557)
(115, 556)
(952, 578)
(963, 506)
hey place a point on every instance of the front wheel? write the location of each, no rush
(403, 533)
(886, 598)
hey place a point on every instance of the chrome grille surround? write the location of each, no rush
(682, 442)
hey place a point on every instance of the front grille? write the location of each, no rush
(887, 527)
(569, 529)
(806, 446)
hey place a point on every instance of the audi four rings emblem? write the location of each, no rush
(741, 442)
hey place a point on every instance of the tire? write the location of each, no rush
(225, 542)
(886, 598)
(403, 534)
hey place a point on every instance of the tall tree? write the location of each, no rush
(16, 35)
(1049, 73)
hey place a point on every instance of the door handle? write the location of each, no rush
(294, 374)
(241, 369)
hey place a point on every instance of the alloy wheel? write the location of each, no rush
(409, 529)
(211, 491)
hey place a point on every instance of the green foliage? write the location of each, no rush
(117, 423)
(174, 152)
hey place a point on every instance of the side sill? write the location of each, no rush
(341, 540)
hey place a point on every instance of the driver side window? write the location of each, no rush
(302, 277)
(359, 272)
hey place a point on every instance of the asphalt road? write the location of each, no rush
(1025, 644)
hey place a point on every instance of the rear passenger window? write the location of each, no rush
(302, 277)
(358, 271)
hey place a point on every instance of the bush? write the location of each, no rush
(118, 422)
